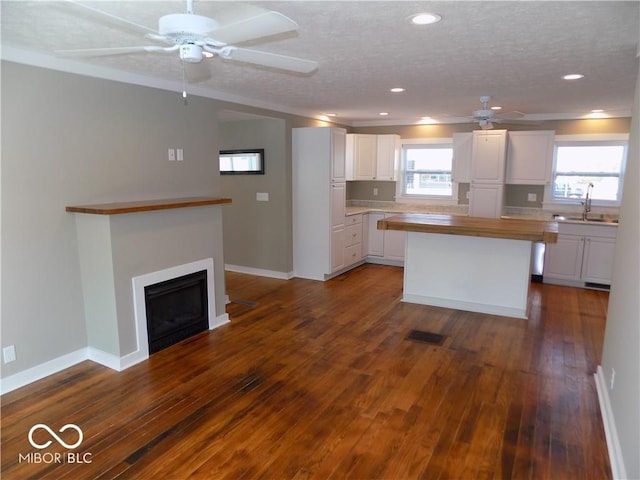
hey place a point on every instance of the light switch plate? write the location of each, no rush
(532, 197)
(262, 197)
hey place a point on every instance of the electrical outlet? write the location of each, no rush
(262, 197)
(171, 154)
(375, 191)
(9, 354)
(613, 377)
(179, 154)
(532, 197)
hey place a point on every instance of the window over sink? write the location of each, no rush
(580, 163)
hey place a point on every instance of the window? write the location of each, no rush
(426, 170)
(234, 162)
(580, 163)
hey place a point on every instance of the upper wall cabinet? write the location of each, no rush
(462, 145)
(488, 156)
(530, 157)
(371, 157)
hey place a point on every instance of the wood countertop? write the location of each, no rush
(146, 205)
(513, 229)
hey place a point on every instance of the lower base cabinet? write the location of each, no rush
(582, 255)
(383, 246)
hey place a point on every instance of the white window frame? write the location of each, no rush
(594, 139)
(401, 197)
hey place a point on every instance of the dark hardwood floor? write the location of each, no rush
(319, 381)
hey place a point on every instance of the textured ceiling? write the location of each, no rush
(514, 51)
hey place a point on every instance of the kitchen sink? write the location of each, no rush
(588, 220)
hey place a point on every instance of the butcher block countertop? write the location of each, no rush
(513, 229)
(146, 205)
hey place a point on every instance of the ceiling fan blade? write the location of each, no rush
(510, 115)
(101, 52)
(265, 59)
(123, 21)
(257, 26)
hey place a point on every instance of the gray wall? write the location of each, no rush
(68, 139)
(622, 336)
(258, 234)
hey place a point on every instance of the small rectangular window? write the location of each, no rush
(427, 170)
(235, 162)
(580, 163)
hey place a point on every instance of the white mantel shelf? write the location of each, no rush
(146, 205)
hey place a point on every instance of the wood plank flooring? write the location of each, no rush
(317, 381)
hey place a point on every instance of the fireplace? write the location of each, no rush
(176, 309)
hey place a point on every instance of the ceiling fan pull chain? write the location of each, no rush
(184, 83)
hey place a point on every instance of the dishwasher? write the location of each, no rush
(537, 261)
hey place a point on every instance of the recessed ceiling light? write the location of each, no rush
(331, 114)
(597, 110)
(427, 121)
(425, 18)
(383, 114)
(397, 89)
(496, 108)
(573, 76)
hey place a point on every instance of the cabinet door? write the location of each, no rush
(387, 157)
(394, 243)
(488, 156)
(563, 259)
(486, 200)
(375, 237)
(361, 156)
(462, 146)
(337, 249)
(338, 150)
(597, 264)
(338, 204)
(530, 157)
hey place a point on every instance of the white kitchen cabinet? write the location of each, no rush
(394, 243)
(486, 200)
(374, 241)
(583, 255)
(488, 156)
(318, 201)
(563, 259)
(352, 239)
(462, 147)
(530, 157)
(372, 157)
(388, 152)
(597, 263)
(361, 152)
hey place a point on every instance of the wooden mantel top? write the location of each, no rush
(512, 228)
(146, 205)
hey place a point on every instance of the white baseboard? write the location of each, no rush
(260, 272)
(613, 443)
(109, 360)
(45, 369)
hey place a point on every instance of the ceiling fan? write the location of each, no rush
(195, 37)
(486, 116)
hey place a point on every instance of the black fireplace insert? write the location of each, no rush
(176, 309)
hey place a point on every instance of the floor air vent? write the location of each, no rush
(426, 337)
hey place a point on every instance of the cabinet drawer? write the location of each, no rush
(353, 235)
(353, 219)
(353, 254)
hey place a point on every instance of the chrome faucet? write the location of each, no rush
(586, 203)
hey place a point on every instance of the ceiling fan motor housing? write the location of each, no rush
(178, 25)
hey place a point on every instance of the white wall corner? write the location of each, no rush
(613, 443)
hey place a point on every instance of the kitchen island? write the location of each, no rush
(469, 263)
